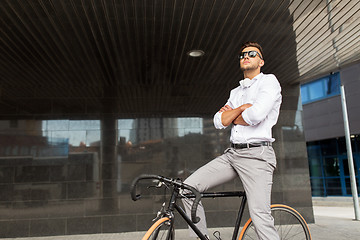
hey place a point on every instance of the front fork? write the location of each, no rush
(169, 213)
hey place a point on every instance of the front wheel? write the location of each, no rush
(162, 229)
(289, 224)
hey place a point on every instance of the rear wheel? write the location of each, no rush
(162, 229)
(289, 224)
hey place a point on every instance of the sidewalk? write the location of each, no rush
(334, 220)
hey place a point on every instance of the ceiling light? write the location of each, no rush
(196, 53)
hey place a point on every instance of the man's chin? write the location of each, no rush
(244, 69)
(248, 68)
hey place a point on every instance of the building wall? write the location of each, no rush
(61, 177)
(324, 134)
(324, 120)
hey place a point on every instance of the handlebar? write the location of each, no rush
(173, 182)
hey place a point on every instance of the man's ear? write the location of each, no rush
(262, 63)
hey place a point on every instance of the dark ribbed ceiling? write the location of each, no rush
(88, 58)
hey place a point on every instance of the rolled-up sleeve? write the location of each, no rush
(217, 117)
(217, 121)
(269, 93)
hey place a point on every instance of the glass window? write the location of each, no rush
(316, 90)
(304, 93)
(333, 186)
(314, 156)
(317, 187)
(342, 146)
(329, 147)
(328, 165)
(321, 88)
(333, 84)
(331, 167)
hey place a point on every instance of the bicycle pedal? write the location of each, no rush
(216, 234)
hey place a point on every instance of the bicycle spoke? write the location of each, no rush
(251, 233)
(288, 224)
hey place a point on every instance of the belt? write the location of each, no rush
(250, 145)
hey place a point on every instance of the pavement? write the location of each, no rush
(334, 220)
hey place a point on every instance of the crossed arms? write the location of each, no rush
(262, 105)
(231, 115)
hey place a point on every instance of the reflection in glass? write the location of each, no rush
(62, 164)
(331, 167)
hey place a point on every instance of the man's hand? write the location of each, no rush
(239, 119)
(225, 108)
(245, 106)
(231, 115)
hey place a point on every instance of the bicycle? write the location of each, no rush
(288, 222)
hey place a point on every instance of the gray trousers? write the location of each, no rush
(255, 167)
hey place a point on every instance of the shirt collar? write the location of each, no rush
(245, 83)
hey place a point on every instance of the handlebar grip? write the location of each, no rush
(196, 202)
(135, 196)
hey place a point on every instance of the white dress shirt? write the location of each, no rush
(264, 93)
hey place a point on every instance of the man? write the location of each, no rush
(252, 109)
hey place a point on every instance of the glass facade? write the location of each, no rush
(60, 177)
(64, 176)
(329, 169)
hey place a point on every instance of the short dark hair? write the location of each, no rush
(252, 44)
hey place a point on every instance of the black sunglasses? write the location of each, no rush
(251, 54)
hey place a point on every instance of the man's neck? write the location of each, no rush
(251, 74)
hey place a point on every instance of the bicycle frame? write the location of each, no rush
(173, 205)
(177, 187)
